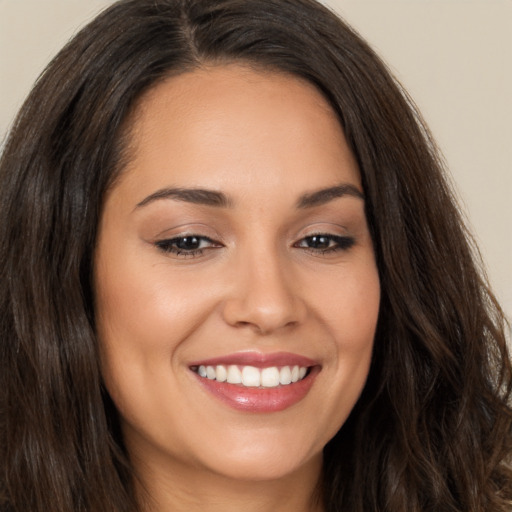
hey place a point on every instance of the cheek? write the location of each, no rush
(348, 304)
(357, 307)
(141, 302)
(350, 311)
(141, 326)
(143, 315)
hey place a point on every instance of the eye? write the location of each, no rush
(187, 245)
(324, 243)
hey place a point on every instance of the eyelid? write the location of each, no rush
(342, 243)
(169, 245)
(187, 229)
(187, 235)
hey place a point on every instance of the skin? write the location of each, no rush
(264, 140)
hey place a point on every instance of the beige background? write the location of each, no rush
(454, 57)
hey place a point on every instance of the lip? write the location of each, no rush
(258, 360)
(259, 400)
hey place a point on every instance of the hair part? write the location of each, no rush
(432, 429)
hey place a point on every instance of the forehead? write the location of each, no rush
(232, 124)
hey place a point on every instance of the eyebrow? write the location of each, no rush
(189, 195)
(325, 195)
(219, 199)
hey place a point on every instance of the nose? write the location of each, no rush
(264, 295)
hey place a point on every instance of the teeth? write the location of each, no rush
(285, 376)
(221, 373)
(250, 376)
(234, 375)
(270, 377)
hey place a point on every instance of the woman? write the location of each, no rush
(233, 276)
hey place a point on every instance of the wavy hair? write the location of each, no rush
(432, 429)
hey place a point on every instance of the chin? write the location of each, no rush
(264, 468)
(263, 457)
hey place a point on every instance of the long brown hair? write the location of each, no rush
(432, 430)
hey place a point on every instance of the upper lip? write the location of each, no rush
(258, 360)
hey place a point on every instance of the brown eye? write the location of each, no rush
(188, 245)
(318, 241)
(324, 243)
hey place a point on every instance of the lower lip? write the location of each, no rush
(260, 399)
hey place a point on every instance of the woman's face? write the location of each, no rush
(235, 247)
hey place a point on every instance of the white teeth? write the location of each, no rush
(221, 373)
(234, 375)
(285, 375)
(250, 376)
(210, 372)
(270, 377)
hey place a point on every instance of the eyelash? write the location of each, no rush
(171, 245)
(341, 243)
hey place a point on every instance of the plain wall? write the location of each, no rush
(453, 56)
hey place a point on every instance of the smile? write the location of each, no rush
(250, 376)
(261, 383)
